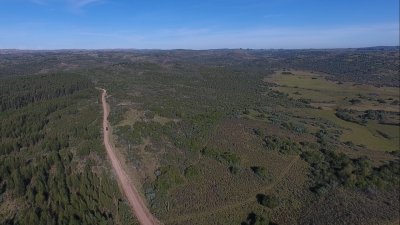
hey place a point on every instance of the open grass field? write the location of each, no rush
(361, 135)
(331, 94)
(326, 96)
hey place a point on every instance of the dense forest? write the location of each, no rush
(52, 164)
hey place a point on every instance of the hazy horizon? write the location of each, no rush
(189, 49)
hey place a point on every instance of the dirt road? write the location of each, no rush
(138, 205)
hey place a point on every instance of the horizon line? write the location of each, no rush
(190, 49)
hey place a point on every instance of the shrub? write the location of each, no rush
(382, 101)
(149, 114)
(283, 145)
(330, 169)
(224, 157)
(169, 178)
(254, 219)
(295, 127)
(234, 169)
(346, 116)
(355, 101)
(260, 171)
(267, 200)
(230, 158)
(191, 171)
(209, 152)
(258, 132)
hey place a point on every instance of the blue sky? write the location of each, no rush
(197, 24)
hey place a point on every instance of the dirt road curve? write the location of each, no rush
(138, 205)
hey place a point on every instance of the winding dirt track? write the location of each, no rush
(138, 205)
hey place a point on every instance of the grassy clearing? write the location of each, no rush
(358, 134)
(306, 85)
(326, 96)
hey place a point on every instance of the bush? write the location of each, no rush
(346, 116)
(283, 145)
(295, 127)
(169, 178)
(254, 219)
(224, 157)
(230, 158)
(258, 132)
(330, 169)
(209, 152)
(267, 201)
(355, 101)
(234, 169)
(260, 171)
(191, 171)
